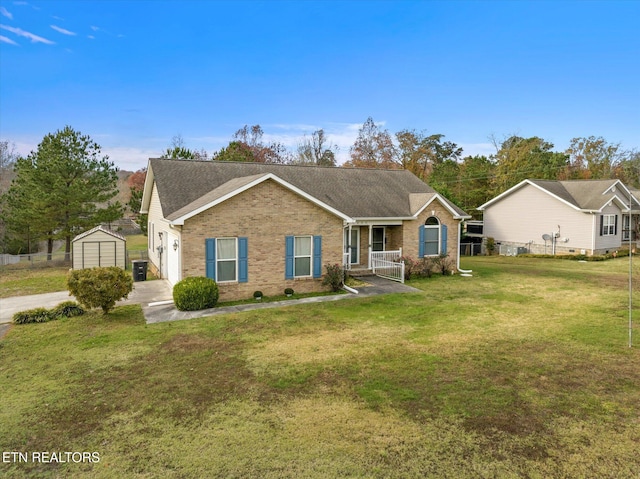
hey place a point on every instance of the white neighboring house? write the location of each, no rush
(559, 217)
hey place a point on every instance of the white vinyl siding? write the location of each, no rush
(528, 213)
(99, 249)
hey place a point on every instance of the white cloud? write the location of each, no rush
(130, 158)
(62, 30)
(4, 39)
(22, 33)
(94, 28)
(5, 13)
(91, 37)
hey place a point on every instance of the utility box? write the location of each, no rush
(139, 268)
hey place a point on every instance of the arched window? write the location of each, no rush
(431, 236)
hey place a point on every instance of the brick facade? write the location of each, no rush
(265, 215)
(410, 234)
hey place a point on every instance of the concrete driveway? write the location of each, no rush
(144, 292)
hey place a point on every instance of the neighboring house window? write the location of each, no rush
(608, 225)
(227, 259)
(432, 238)
(303, 256)
(626, 230)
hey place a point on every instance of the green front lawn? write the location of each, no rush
(522, 370)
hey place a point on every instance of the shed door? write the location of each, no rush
(98, 253)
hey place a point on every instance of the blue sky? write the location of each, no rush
(132, 74)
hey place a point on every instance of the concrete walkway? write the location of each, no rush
(144, 292)
(376, 286)
(148, 293)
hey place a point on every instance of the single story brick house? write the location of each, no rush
(576, 216)
(267, 227)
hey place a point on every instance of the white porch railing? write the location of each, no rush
(386, 265)
(346, 260)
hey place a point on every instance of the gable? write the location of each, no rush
(237, 186)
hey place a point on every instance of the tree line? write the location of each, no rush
(67, 186)
(468, 181)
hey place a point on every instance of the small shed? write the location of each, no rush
(99, 247)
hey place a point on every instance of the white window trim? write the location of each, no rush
(227, 260)
(310, 256)
(438, 228)
(608, 225)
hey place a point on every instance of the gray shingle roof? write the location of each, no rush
(583, 194)
(185, 185)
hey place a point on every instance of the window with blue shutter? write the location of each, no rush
(288, 257)
(317, 256)
(443, 239)
(243, 260)
(431, 237)
(210, 257)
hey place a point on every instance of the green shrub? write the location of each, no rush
(490, 246)
(257, 295)
(37, 315)
(68, 309)
(100, 287)
(195, 293)
(423, 268)
(288, 291)
(443, 264)
(334, 277)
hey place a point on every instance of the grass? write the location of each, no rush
(16, 280)
(522, 370)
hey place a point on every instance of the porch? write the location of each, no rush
(361, 240)
(374, 249)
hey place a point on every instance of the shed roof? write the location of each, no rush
(184, 186)
(99, 228)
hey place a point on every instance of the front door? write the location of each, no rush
(377, 240)
(354, 242)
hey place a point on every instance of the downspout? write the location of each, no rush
(466, 271)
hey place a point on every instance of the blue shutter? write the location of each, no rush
(288, 257)
(421, 241)
(443, 239)
(317, 256)
(210, 257)
(243, 260)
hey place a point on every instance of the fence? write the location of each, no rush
(470, 249)
(385, 265)
(43, 260)
(34, 259)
